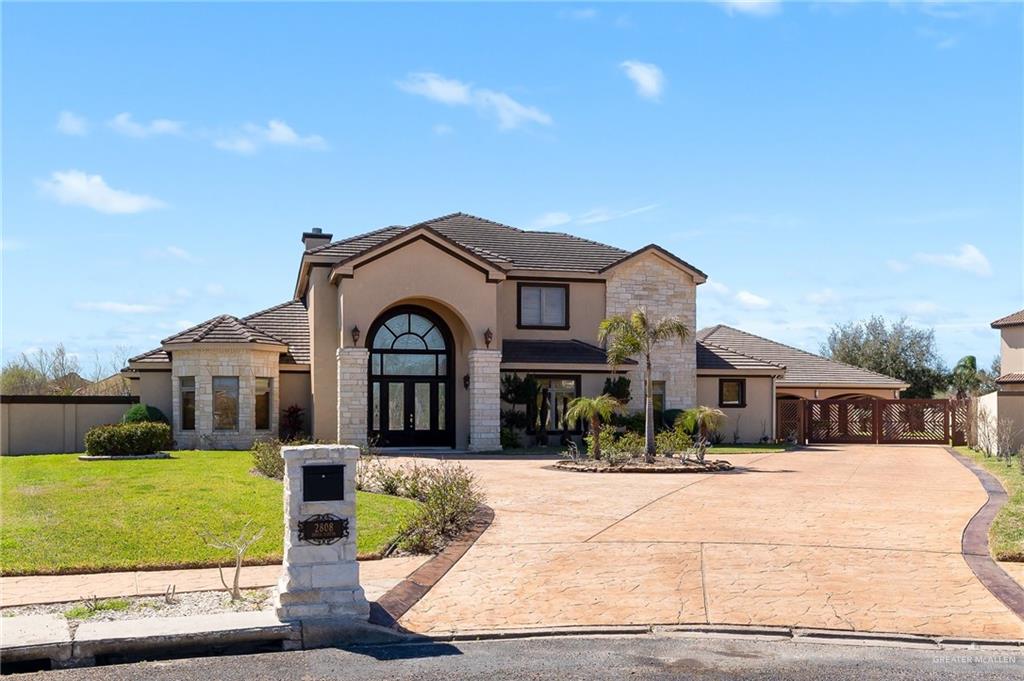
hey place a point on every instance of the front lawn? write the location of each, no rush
(1006, 536)
(62, 515)
(759, 448)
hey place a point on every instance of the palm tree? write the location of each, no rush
(702, 421)
(594, 410)
(639, 334)
(965, 379)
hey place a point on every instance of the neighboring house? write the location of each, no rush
(747, 377)
(1006, 404)
(401, 336)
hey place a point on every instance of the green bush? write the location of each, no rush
(671, 417)
(450, 496)
(607, 439)
(510, 439)
(266, 456)
(669, 442)
(510, 418)
(124, 439)
(629, 443)
(633, 422)
(144, 413)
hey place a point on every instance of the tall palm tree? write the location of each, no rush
(965, 379)
(639, 334)
(594, 410)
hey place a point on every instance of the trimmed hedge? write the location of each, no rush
(125, 439)
(143, 413)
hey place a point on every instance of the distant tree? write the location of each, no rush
(44, 372)
(988, 378)
(897, 349)
(638, 334)
(965, 379)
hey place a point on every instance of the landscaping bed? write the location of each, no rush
(661, 464)
(1006, 535)
(62, 516)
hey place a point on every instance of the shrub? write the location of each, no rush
(511, 418)
(617, 388)
(450, 497)
(633, 422)
(671, 417)
(607, 439)
(266, 456)
(144, 413)
(292, 420)
(509, 439)
(124, 439)
(629, 443)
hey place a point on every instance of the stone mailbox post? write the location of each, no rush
(320, 578)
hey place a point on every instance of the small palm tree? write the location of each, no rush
(594, 410)
(965, 379)
(703, 421)
(639, 334)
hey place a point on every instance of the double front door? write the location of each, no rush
(411, 412)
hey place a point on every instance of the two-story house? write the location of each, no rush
(1006, 404)
(401, 335)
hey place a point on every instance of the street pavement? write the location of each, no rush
(584, 658)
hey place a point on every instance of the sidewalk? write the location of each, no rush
(376, 577)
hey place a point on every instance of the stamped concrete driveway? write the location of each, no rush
(865, 538)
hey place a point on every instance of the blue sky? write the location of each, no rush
(822, 162)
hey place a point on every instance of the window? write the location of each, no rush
(187, 385)
(262, 404)
(543, 306)
(658, 398)
(225, 403)
(732, 392)
(553, 398)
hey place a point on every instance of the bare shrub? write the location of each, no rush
(238, 545)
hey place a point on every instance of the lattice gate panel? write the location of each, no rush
(789, 421)
(959, 421)
(841, 420)
(914, 421)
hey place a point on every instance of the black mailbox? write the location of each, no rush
(323, 483)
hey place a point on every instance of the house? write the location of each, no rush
(401, 336)
(1005, 406)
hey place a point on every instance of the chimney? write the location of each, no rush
(311, 240)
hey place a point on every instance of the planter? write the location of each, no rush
(129, 457)
(660, 465)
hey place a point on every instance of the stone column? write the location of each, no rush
(352, 395)
(319, 580)
(484, 400)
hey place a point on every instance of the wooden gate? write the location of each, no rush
(790, 420)
(878, 421)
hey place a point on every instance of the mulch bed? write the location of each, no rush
(661, 465)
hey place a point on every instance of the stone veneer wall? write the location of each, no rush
(244, 361)
(352, 395)
(484, 400)
(665, 290)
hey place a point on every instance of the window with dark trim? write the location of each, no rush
(732, 392)
(542, 306)
(262, 406)
(557, 392)
(225, 402)
(187, 387)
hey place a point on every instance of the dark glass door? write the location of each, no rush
(414, 413)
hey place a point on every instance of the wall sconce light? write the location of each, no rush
(355, 334)
(465, 381)
(488, 337)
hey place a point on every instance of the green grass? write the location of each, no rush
(84, 612)
(1006, 536)
(750, 449)
(62, 515)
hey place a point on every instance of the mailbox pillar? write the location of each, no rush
(320, 575)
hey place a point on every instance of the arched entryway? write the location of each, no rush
(411, 401)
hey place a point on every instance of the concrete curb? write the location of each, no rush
(974, 542)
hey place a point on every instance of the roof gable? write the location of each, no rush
(1015, 319)
(711, 357)
(674, 260)
(223, 329)
(802, 367)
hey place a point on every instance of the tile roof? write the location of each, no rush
(802, 367)
(713, 357)
(516, 351)
(1013, 377)
(1015, 319)
(504, 246)
(286, 323)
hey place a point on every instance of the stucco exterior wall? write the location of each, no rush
(1011, 349)
(154, 389)
(747, 424)
(322, 308)
(52, 428)
(828, 393)
(1011, 408)
(665, 290)
(586, 310)
(247, 362)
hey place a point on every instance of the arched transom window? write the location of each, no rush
(408, 344)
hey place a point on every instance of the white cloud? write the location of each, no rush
(825, 296)
(648, 78)
(921, 307)
(436, 87)
(605, 215)
(897, 265)
(276, 132)
(968, 259)
(760, 8)
(214, 289)
(716, 287)
(442, 129)
(69, 123)
(552, 219)
(126, 125)
(74, 187)
(509, 112)
(118, 308)
(752, 301)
